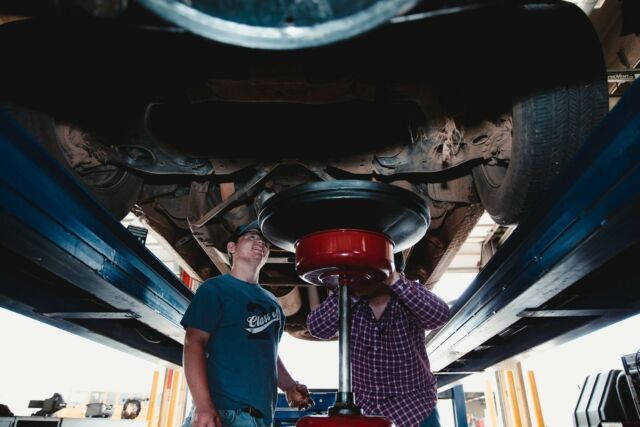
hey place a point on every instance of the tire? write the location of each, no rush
(548, 129)
(296, 325)
(115, 189)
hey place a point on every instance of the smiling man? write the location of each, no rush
(231, 346)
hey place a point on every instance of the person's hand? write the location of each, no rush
(298, 396)
(206, 417)
(393, 278)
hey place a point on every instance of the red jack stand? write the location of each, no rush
(344, 258)
(344, 234)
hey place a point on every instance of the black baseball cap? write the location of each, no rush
(244, 229)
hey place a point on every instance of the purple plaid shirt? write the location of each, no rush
(390, 368)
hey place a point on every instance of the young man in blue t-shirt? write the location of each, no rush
(233, 329)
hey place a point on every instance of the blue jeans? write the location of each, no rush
(433, 420)
(234, 418)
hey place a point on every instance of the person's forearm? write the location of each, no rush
(322, 322)
(285, 380)
(429, 309)
(195, 370)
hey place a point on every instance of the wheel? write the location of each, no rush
(310, 298)
(116, 189)
(302, 333)
(547, 129)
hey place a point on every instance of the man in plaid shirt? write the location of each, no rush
(390, 368)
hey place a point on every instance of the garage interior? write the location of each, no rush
(134, 143)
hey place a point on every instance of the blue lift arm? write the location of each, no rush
(567, 269)
(69, 263)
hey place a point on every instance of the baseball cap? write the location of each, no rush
(244, 229)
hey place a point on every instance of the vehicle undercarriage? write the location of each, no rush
(194, 136)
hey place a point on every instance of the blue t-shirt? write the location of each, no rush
(246, 324)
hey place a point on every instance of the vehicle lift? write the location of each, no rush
(566, 270)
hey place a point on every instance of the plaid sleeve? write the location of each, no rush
(322, 322)
(430, 311)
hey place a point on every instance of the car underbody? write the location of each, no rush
(195, 136)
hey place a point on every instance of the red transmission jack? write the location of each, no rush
(344, 232)
(340, 258)
(344, 257)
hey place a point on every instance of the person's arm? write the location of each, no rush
(322, 322)
(297, 394)
(195, 371)
(430, 311)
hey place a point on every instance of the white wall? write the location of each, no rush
(37, 360)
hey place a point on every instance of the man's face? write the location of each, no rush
(251, 246)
